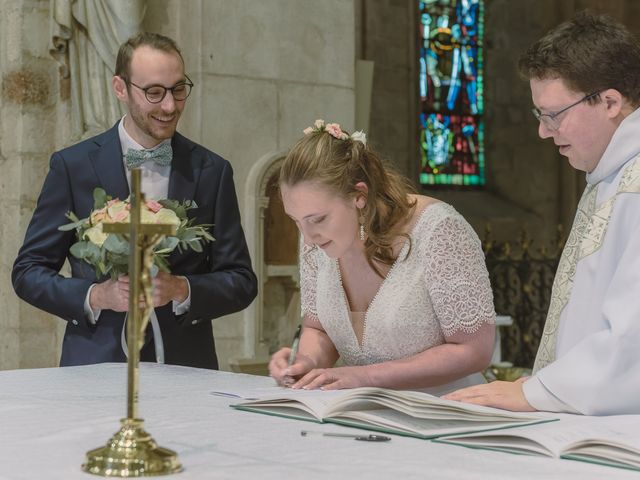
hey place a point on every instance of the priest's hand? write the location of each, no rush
(285, 374)
(498, 394)
(168, 288)
(335, 378)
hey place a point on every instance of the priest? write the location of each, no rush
(585, 84)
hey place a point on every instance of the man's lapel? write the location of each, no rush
(185, 170)
(108, 165)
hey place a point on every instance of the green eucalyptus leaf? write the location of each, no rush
(116, 244)
(76, 222)
(93, 254)
(79, 250)
(196, 246)
(71, 226)
(178, 208)
(100, 198)
(162, 263)
(73, 217)
(167, 245)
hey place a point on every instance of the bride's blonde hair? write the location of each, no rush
(339, 163)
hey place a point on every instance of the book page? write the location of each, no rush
(314, 402)
(393, 421)
(423, 405)
(251, 393)
(571, 434)
(405, 412)
(609, 438)
(606, 455)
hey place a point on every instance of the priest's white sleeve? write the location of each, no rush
(600, 374)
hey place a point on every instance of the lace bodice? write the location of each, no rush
(441, 288)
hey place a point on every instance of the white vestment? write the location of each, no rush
(589, 358)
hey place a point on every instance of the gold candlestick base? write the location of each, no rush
(131, 452)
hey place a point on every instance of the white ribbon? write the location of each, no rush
(157, 336)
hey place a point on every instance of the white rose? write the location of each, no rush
(166, 216)
(117, 210)
(147, 216)
(95, 235)
(359, 136)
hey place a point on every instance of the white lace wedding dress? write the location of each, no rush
(442, 287)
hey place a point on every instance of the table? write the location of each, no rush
(49, 418)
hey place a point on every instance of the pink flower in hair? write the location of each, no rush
(335, 131)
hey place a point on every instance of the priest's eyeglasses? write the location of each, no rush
(156, 93)
(551, 120)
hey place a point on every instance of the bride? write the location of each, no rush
(392, 283)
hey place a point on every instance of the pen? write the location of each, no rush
(294, 346)
(361, 437)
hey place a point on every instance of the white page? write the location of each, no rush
(559, 437)
(316, 401)
(426, 427)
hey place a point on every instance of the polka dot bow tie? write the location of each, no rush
(161, 156)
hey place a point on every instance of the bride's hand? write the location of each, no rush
(335, 378)
(285, 374)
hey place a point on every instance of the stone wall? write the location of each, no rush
(385, 28)
(28, 337)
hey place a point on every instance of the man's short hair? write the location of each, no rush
(149, 39)
(589, 53)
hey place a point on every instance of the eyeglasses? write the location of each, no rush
(550, 120)
(156, 93)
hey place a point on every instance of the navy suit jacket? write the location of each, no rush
(221, 278)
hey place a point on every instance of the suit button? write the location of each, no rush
(75, 322)
(193, 322)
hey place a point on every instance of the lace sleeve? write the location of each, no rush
(458, 281)
(308, 280)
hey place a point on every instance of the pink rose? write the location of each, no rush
(121, 216)
(335, 131)
(153, 206)
(98, 216)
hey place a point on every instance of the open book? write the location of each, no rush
(613, 441)
(409, 413)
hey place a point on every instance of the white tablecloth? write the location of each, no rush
(49, 418)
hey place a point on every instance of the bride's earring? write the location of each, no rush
(361, 222)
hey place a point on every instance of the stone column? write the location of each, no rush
(28, 337)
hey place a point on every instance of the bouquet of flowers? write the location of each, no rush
(108, 253)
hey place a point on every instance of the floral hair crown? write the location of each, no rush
(335, 131)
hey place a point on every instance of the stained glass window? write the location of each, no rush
(451, 93)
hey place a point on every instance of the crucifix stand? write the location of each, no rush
(132, 452)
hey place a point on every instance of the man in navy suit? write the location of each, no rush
(151, 81)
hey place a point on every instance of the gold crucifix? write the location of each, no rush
(131, 452)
